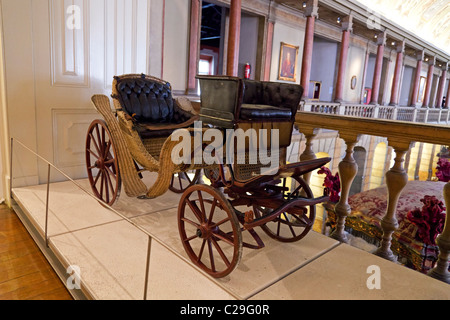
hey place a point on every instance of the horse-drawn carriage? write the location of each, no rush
(245, 189)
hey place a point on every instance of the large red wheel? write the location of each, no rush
(183, 180)
(294, 224)
(209, 230)
(101, 162)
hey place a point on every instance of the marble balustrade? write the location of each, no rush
(401, 136)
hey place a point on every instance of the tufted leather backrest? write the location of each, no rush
(147, 99)
(282, 95)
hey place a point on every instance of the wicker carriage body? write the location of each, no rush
(143, 119)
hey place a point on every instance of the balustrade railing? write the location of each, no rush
(409, 114)
(401, 136)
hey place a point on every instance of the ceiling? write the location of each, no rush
(428, 19)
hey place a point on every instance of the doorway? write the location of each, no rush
(214, 39)
(212, 36)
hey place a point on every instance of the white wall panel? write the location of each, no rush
(128, 37)
(70, 128)
(69, 29)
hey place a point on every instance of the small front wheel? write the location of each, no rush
(209, 230)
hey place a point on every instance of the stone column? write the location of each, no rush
(440, 272)
(348, 168)
(194, 42)
(416, 84)
(269, 47)
(396, 180)
(381, 41)
(234, 38)
(311, 13)
(426, 99)
(442, 81)
(347, 28)
(397, 74)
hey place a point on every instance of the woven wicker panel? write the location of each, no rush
(247, 165)
(154, 145)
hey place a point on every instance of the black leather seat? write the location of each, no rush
(148, 101)
(269, 100)
(264, 112)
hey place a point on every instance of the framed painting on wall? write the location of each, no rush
(288, 62)
(421, 94)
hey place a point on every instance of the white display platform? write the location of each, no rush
(111, 253)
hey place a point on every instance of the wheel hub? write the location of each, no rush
(100, 164)
(204, 232)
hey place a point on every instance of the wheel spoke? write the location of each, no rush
(289, 224)
(303, 219)
(92, 153)
(96, 146)
(190, 238)
(220, 223)
(211, 256)
(97, 177)
(225, 237)
(195, 210)
(202, 204)
(101, 183)
(222, 254)
(190, 222)
(107, 148)
(200, 254)
(106, 187)
(108, 177)
(213, 208)
(180, 181)
(111, 173)
(103, 142)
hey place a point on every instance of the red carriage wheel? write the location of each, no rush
(209, 230)
(101, 162)
(294, 224)
(183, 180)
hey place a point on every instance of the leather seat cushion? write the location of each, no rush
(146, 101)
(260, 111)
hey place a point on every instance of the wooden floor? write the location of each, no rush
(25, 274)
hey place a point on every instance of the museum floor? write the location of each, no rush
(111, 250)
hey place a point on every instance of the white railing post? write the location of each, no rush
(425, 118)
(376, 112)
(341, 109)
(307, 107)
(395, 114)
(414, 119)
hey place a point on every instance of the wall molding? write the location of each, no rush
(69, 131)
(69, 49)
